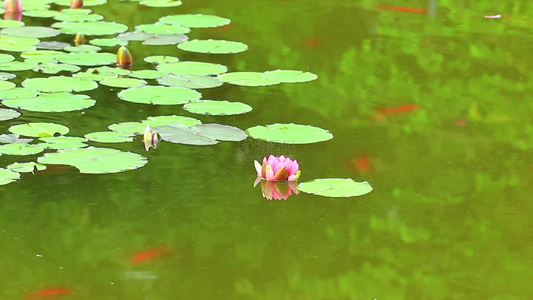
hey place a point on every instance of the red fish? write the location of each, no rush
(362, 164)
(388, 111)
(49, 293)
(312, 42)
(402, 8)
(149, 254)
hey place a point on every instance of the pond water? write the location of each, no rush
(428, 101)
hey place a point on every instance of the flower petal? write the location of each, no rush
(258, 168)
(269, 173)
(295, 176)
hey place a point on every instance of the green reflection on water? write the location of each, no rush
(448, 217)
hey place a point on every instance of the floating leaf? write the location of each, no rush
(87, 59)
(289, 133)
(247, 79)
(93, 160)
(159, 59)
(6, 58)
(16, 66)
(91, 28)
(6, 76)
(78, 17)
(109, 137)
(63, 142)
(59, 84)
(52, 45)
(192, 68)
(162, 29)
(123, 82)
(213, 107)
(213, 46)
(55, 102)
(18, 93)
(8, 176)
(102, 73)
(202, 134)
(8, 114)
(6, 85)
(190, 81)
(108, 42)
(134, 36)
(13, 139)
(20, 149)
(195, 20)
(335, 187)
(10, 23)
(138, 127)
(86, 3)
(39, 129)
(28, 167)
(160, 3)
(17, 44)
(166, 39)
(40, 13)
(160, 95)
(289, 76)
(54, 68)
(146, 74)
(83, 49)
(41, 55)
(31, 32)
(220, 132)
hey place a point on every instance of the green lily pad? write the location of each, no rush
(39, 129)
(195, 20)
(93, 160)
(192, 68)
(146, 74)
(160, 3)
(16, 66)
(335, 187)
(78, 17)
(247, 79)
(4, 58)
(18, 93)
(91, 28)
(213, 46)
(220, 132)
(54, 68)
(10, 23)
(87, 59)
(159, 59)
(52, 45)
(20, 149)
(75, 11)
(41, 55)
(109, 137)
(190, 81)
(162, 29)
(8, 114)
(108, 42)
(102, 73)
(138, 127)
(59, 84)
(123, 82)
(28, 167)
(289, 76)
(7, 76)
(8, 176)
(13, 139)
(202, 134)
(134, 36)
(63, 142)
(6, 85)
(31, 32)
(86, 3)
(55, 102)
(40, 13)
(289, 133)
(159, 95)
(166, 39)
(219, 108)
(83, 49)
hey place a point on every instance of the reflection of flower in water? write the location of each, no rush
(280, 190)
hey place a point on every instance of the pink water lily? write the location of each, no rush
(12, 5)
(278, 168)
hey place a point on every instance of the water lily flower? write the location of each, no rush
(151, 138)
(13, 5)
(79, 39)
(278, 168)
(76, 3)
(275, 190)
(124, 57)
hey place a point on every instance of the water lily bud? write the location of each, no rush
(76, 3)
(12, 5)
(124, 57)
(14, 15)
(151, 138)
(79, 39)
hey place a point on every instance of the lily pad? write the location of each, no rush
(52, 45)
(190, 81)
(220, 132)
(63, 142)
(18, 93)
(202, 134)
(108, 42)
(159, 95)
(123, 82)
(28, 167)
(93, 160)
(17, 44)
(102, 73)
(159, 59)
(7, 76)
(87, 59)
(13, 139)
(83, 49)
(54, 68)
(247, 79)
(195, 20)
(8, 176)
(213, 46)
(20, 149)
(8, 114)
(138, 127)
(91, 28)
(192, 68)
(39, 129)
(166, 39)
(134, 36)
(40, 13)
(31, 32)
(335, 187)
(16, 66)
(109, 137)
(162, 29)
(146, 74)
(59, 84)
(214, 107)
(6, 58)
(85, 3)
(10, 23)
(289, 76)
(6, 85)
(160, 3)
(289, 133)
(78, 17)
(55, 102)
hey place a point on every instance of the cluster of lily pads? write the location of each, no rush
(84, 67)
